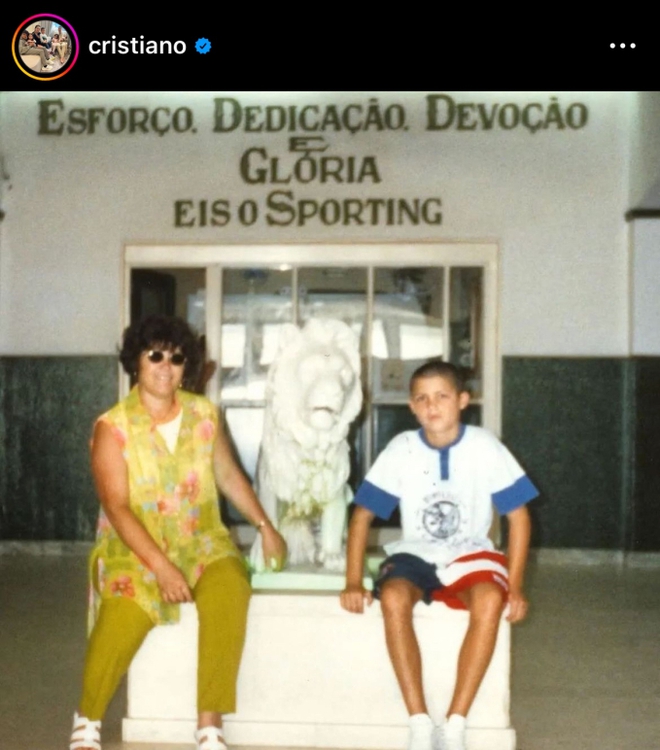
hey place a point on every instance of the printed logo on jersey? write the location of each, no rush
(441, 518)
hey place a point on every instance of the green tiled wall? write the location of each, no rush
(47, 409)
(586, 429)
(565, 419)
(588, 432)
(644, 529)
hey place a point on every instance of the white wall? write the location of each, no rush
(554, 200)
(645, 284)
(645, 156)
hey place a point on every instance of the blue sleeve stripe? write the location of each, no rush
(517, 494)
(378, 501)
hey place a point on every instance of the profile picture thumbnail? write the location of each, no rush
(45, 47)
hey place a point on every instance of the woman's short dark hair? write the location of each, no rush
(163, 332)
(434, 367)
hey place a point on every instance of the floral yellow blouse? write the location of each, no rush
(172, 494)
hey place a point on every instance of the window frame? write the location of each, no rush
(376, 255)
(213, 257)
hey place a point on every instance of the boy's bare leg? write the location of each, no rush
(485, 602)
(397, 599)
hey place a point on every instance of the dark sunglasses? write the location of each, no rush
(156, 356)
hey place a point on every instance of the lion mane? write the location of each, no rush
(313, 394)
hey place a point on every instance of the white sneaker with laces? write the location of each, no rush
(451, 734)
(421, 732)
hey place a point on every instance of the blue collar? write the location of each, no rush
(444, 451)
(459, 437)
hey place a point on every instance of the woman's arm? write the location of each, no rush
(111, 479)
(237, 488)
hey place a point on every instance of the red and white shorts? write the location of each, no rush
(468, 570)
(443, 584)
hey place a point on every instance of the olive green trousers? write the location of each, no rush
(221, 595)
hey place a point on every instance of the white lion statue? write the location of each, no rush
(313, 393)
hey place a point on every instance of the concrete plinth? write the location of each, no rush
(314, 675)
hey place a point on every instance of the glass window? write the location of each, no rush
(437, 305)
(407, 327)
(334, 292)
(169, 291)
(465, 324)
(255, 304)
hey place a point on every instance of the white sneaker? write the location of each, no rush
(421, 733)
(451, 734)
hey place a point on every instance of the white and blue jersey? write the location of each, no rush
(446, 495)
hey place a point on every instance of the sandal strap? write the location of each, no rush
(210, 738)
(85, 733)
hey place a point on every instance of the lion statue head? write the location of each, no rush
(313, 387)
(313, 393)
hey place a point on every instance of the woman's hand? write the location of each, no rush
(273, 546)
(173, 586)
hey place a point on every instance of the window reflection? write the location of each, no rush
(408, 326)
(255, 303)
(465, 324)
(334, 292)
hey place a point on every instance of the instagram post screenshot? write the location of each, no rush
(328, 418)
(76, 51)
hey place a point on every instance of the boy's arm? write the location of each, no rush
(519, 535)
(353, 596)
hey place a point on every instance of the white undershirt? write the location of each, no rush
(170, 431)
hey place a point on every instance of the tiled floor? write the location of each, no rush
(586, 664)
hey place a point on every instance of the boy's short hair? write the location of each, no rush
(437, 367)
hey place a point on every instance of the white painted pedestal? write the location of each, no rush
(314, 675)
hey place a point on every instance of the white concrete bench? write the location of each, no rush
(314, 675)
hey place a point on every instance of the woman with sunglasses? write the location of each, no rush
(157, 457)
